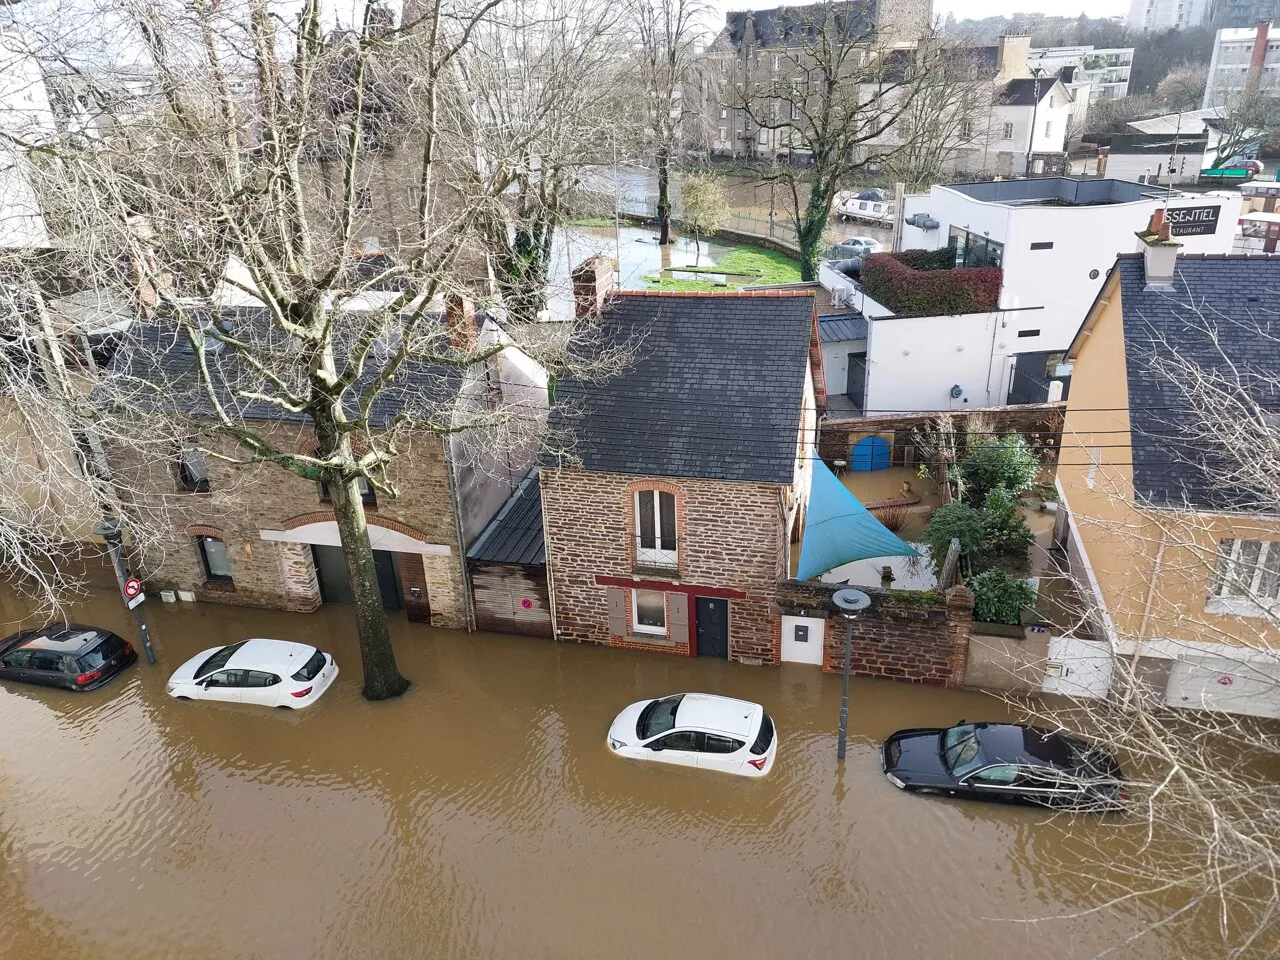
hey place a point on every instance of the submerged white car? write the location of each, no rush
(273, 673)
(698, 730)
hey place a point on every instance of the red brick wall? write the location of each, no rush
(731, 536)
(920, 637)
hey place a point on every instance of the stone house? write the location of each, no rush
(262, 536)
(670, 514)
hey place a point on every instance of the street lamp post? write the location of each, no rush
(109, 530)
(851, 603)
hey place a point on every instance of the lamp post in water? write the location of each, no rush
(109, 530)
(851, 603)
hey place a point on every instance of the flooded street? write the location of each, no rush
(482, 816)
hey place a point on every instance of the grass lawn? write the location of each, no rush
(761, 265)
(591, 222)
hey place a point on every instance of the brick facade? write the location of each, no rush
(244, 500)
(731, 541)
(920, 637)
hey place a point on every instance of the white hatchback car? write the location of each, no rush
(273, 673)
(698, 730)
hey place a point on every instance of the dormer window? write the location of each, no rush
(193, 472)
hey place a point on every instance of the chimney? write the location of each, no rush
(1159, 251)
(1254, 75)
(592, 286)
(460, 321)
(1012, 52)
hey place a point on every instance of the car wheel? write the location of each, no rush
(283, 706)
(924, 791)
(188, 699)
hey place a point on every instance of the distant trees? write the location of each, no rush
(705, 206)
(1183, 87)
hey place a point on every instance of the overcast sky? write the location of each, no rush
(1057, 8)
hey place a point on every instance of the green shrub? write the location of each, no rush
(964, 523)
(1004, 528)
(931, 292)
(999, 597)
(999, 462)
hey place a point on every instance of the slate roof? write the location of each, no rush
(791, 26)
(1223, 297)
(161, 356)
(849, 326)
(1157, 144)
(715, 391)
(514, 535)
(1022, 92)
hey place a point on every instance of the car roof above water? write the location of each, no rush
(704, 711)
(277, 656)
(72, 639)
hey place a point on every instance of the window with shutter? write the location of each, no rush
(656, 529)
(1247, 579)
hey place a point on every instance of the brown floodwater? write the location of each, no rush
(482, 816)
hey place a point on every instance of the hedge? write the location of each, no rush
(889, 279)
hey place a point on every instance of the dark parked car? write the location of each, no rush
(65, 655)
(1004, 762)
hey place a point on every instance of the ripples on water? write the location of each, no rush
(483, 816)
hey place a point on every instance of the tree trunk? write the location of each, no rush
(811, 230)
(382, 679)
(664, 195)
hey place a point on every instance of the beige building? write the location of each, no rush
(1177, 548)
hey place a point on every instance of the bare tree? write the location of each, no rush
(668, 33)
(1203, 785)
(836, 92)
(542, 89)
(220, 189)
(1245, 117)
(1183, 87)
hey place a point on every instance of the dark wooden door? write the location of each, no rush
(855, 387)
(713, 627)
(335, 584)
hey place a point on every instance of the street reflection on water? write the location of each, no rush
(482, 815)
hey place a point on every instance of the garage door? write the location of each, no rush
(1214, 683)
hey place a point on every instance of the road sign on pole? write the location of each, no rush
(132, 588)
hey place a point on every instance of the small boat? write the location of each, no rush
(852, 206)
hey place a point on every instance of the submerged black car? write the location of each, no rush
(1004, 762)
(65, 655)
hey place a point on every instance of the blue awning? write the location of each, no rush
(840, 530)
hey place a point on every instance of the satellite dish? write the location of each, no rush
(851, 601)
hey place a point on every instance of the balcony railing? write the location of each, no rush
(657, 553)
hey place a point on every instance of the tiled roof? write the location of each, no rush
(514, 535)
(1214, 298)
(849, 326)
(791, 26)
(715, 390)
(161, 356)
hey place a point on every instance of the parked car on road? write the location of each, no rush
(273, 673)
(1004, 762)
(698, 730)
(1246, 163)
(67, 655)
(851, 247)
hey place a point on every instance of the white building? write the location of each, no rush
(1166, 14)
(1243, 56)
(1054, 239)
(26, 119)
(1106, 68)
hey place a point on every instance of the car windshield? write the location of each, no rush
(95, 658)
(219, 659)
(658, 717)
(960, 749)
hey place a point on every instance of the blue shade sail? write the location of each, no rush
(840, 530)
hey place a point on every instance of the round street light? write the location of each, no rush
(851, 603)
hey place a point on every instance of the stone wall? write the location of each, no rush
(918, 636)
(730, 537)
(244, 500)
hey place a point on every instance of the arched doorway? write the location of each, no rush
(870, 453)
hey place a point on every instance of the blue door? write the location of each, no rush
(870, 453)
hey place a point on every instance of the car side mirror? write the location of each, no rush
(655, 747)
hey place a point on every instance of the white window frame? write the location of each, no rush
(656, 556)
(1250, 601)
(724, 135)
(639, 627)
(724, 113)
(1048, 129)
(764, 136)
(1008, 130)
